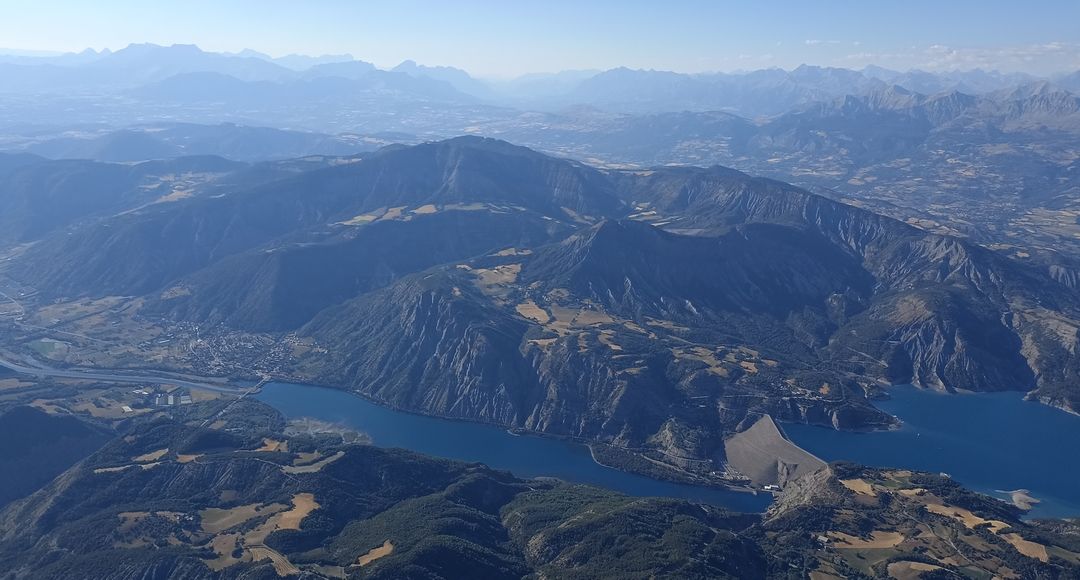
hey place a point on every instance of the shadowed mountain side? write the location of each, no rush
(507, 340)
(145, 251)
(40, 196)
(283, 287)
(636, 269)
(952, 283)
(36, 447)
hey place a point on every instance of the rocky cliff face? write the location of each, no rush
(959, 313)
(604, 336)
(661, 342)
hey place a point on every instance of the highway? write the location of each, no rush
(118, 377)
(106, 375)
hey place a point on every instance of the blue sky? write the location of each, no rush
(504, 38)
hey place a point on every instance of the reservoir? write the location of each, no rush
(524, 456)
(990, 442)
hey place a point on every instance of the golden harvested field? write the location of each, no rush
(860, 486)
(504, 274)
(704, 355)
(303, 504)
(374, 554)
(1026, 547)
(909, 570)
(969, 519)
(878, 540)
(152, 456)
(273, 445)
(564, 318)
(530, 310)
(314, 467)
(214, 520)
(359, 220)
(589, 317)
(606, 338)
(223, 545)
(282, 565)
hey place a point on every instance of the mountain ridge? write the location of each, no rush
(649, 310)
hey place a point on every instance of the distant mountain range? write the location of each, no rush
(167, 141)
(995, 167)
(761, 92)
(913, 145)
(982, 155)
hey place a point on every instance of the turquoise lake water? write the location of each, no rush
(989, 442)
(523, 455)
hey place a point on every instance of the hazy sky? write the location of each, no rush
(510, 37)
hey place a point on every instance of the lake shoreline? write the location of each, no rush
(522, 432)
(987, 441)
(526, 456)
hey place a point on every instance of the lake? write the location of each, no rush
(523, 455)
(988, 442)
